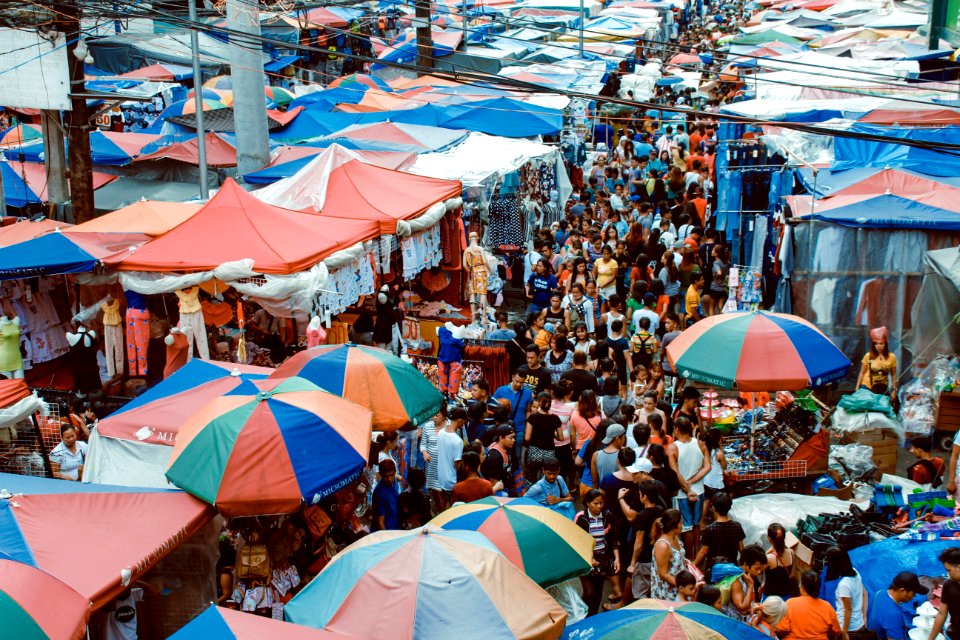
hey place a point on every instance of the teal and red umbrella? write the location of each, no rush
(36, 606)
(220, 623)
(426, 584)
(757, 351)
(267, 453)
(394, 390)
(545, 545)
(660, 620)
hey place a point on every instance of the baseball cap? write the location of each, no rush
(642, 465)
(614, 431)
(910, 582)
(549, 328)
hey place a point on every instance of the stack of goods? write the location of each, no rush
(848, 530)
(923, 623)
(774, 441)
(938, 503)
(921, 396)
(717, 412)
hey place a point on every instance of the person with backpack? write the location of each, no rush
(644, 345)
(578, 308)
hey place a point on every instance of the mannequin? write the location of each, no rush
(315, 333)
(551, 209)
(450, 357)
(11, 361)
(191, 321)
(83, 360)
(478, 271)
(112, 336)
(138, 333)
(383, 327)
(178, 349)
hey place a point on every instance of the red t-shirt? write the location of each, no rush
(472, 489)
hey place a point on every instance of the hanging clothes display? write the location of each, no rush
(177, 350)
(493, 361)
(83, 360)
(191, 321)
(347, 283)
(420, 251)
(39, 320)
(506, 221)
(113, 337)
(137, 322)
(11, 362)
(750, 289)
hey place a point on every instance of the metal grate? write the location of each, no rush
(771, 470)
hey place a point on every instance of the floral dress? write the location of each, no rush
(476, 262)
(659, 589)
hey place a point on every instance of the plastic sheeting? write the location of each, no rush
(755, 513)
(845, 422)
(22, 409)
(848, 280)
(898, 555)
(938, 302)
(126, 463)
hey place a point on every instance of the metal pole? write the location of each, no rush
(463, 18)
(581, 28)
(198, 100)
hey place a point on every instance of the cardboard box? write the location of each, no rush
(885, 445)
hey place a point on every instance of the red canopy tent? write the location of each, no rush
(915, 116)
(386, 159)
(888, 181)
(234, 226)
(336, 185)
(220, 153)
(28, 230)
(157, 72)
(34, 174)
(132, 531)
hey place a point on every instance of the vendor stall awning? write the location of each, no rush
(58, 253)
(234, 226)
(149, 217)
(132, 530)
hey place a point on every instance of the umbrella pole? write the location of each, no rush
(753, 426)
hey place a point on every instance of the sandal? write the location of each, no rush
(613, 600)
(611, 606)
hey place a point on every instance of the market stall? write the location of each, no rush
(760, 352)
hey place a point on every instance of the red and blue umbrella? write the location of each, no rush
(395, 391)
(545, 545)
(426, 584)
(757, 351)
(185, 107)
(359, 80)
(660, 620)
(36, 606)
(266, 453)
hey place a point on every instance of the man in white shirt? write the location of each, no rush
(449, 451)
(121, 623)
(578, 308)
(667, 237)
(649, 302)
(665, 141)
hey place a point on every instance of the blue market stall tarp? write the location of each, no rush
(852, 153)
(888, 211)
(16, 192)
(505, 117)
(879, 562)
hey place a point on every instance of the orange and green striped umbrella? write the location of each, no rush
(392, 389)
(36, 606)
(660, 620)
(545, 545)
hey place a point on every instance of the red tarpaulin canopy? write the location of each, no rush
(35, 175)
(27, 230)
(12, 391)
(234, 225)
(336, 185)
(156, 72)
(132, 531)
(220, 153)
(927, 117)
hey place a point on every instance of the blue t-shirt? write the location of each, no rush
(641, 149)
(887, 618)
(519, 401)
(386, 503)
(542, 489)
(603, 133)
(542, 287)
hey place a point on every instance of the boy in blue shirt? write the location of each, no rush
(386, 498)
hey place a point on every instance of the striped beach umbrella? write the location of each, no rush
(266, 453)
(757, 351)
(660, 620)
(280, 96)
(36, 606)
(426, 584)
(217, 95)
(545, 545)
(219, 82)
(361, 79)
(189, 106)
(394, 390)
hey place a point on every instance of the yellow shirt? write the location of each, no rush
(692, 299)
(111, 314)
(606, 272)
(881, 368)
(189, 299)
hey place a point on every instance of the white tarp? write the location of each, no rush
(757, 512)
(22, 409)
(480, 157)
(126, 463)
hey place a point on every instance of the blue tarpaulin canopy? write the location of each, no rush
(275, 66)
(51, 254)
(16, 193)
(854, 153)
(888, 211)
(898, 555)
(504, 117)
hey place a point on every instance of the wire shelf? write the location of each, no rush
(771, 471)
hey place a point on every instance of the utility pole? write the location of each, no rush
(54, 157)
(463, 16)
(938, 20)
(424, 34)
(198, 101)
(246, 73)
(78, 128)
(581, 28)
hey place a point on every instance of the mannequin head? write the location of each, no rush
(474, 239)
